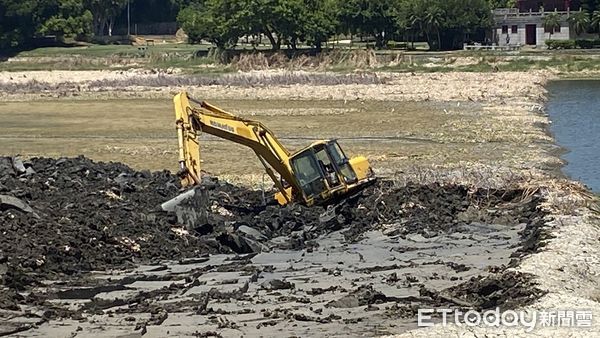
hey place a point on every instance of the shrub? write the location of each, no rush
(560, 44)
(588, 43)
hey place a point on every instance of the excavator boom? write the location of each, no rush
(212, 120)
(315, 174)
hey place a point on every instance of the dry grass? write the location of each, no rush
(418, 141)
(161, 79)
(336, 59)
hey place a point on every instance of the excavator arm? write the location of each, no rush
(193, 120)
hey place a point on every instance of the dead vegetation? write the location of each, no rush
(165, 79)
(351, 59)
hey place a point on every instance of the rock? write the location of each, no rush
(277, 284)
(18, 166)
(158, 317)
(84, 229)
(124, 182)
(174, 202)
(6, 167)
(9, 299)
(9, 202)
(132, 335)
(240, 244)
(364, 295)
(371, 307)
(253, 233)
(345, 302)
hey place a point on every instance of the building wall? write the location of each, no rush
(521, 21)
(520, 37)
(562, 35)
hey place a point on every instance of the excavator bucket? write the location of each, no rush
(190, 207)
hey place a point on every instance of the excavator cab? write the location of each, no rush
(325, 173)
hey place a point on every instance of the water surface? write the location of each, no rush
(574, 108)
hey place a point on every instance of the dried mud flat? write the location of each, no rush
(244, 268)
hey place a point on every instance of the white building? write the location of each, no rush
(515, 28)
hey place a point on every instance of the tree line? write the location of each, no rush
(444, 24)
(23, 20)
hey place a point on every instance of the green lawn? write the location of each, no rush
(112, 50)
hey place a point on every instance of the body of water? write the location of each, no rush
(574, 108)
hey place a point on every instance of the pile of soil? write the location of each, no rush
(81, 215)
(428, 210)
(507, 290)
(71, 215)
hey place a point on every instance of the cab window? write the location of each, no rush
(308, 173)
(306, 168)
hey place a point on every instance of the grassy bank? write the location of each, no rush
(197, 59)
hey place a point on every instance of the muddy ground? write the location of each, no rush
(400, 246)
(86, 250)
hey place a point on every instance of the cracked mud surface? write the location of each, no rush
(95, 255)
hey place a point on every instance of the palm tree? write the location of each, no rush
(580, 21)
(433, 22)
(596, 21)
(551, 23)
(415, 18)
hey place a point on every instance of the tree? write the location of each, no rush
(595, 21)
(433, 21)
(579, 22)
(590, 6)
(279, 20)
(446, 23)
(322, 21)
(216, 21)
(502, 3)
(71, 20)
(551, 23)
(377, 18)
(21, 19)
(104, 13)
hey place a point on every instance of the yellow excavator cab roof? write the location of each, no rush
(312, 145)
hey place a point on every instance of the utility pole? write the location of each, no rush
(128, 18)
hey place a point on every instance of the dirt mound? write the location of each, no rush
(86, 215)
(73, 215)
(505, 290)
(434, 246)
(427, 210)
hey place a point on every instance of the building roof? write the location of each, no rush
(549, 5)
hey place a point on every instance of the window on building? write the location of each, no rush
(504, 29)
(550, 30)
(514, 29)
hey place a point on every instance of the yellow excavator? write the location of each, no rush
(319, 174)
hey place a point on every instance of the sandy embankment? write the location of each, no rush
(455, 86)
(567, 267)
